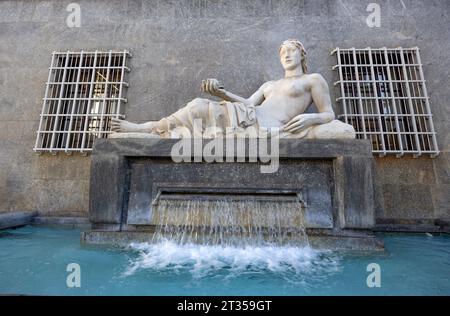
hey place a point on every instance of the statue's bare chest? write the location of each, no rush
(292, 88)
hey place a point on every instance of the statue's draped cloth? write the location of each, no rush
(217, 120)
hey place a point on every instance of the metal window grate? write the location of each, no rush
(383, 95)
(83, 92)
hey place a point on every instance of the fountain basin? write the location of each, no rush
(331, 180)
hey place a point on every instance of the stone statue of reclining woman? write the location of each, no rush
(278, 105)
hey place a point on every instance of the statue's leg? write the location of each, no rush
(211, 115)
(208, 113)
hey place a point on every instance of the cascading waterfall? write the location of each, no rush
(230, 222)
(230, 236)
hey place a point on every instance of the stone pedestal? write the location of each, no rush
(333, 178)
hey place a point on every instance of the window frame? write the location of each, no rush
(73, 114)
(394, 111)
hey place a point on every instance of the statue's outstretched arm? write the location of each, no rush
(213, 87)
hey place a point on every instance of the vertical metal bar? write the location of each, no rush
(411, 108)
(107, 84)
(354, 96)
(122, 76)
(377, 107)
(74, 101)
(39, 132)
(88, 107)
(394, 103)
(62, 125)
(358, 87)
(419, 102)
(402, 99)
(415, 95)
(388, 124)
(59, 103)
(427, 104)
(58, 79)
(343, 99)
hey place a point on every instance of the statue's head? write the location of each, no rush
(293, 54)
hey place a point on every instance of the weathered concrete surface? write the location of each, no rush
(16, 219)
(203, 39)
(410, 192)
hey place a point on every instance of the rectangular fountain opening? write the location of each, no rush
(228, 194)
(229, 217)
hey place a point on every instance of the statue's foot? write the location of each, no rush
(122, 126)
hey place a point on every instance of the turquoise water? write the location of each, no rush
(34, 260)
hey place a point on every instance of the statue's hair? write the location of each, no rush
(302, 50)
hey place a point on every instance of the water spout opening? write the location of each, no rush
(230, 218)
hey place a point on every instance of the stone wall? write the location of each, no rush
(176, 44)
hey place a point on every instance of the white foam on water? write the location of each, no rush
(228, 239)
(291, 263)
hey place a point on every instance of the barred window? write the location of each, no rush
(383, 95)
(83, 92)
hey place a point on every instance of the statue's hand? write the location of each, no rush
(299, 123)
(213, 87)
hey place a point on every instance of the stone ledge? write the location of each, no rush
(288, 148)
(343, 243)
(394, 228)
(16, 219)
(427, 225)
(125, 238)
(72, 222)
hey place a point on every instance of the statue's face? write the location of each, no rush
(290, 56)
